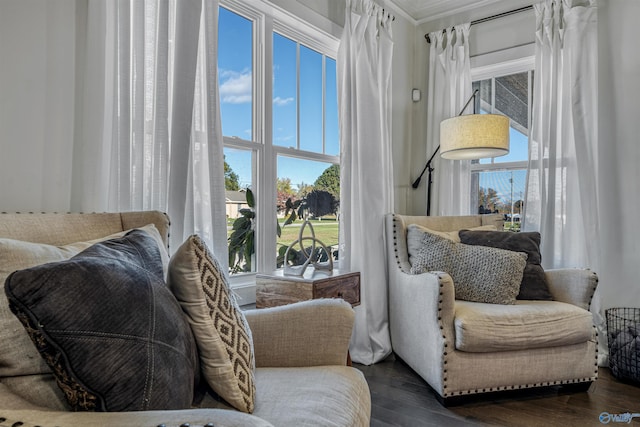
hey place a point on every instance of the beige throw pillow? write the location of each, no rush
(221, 331)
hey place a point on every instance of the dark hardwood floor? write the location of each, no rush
(399, 397)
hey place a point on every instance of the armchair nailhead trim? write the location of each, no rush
(521, 386)
(395, 246)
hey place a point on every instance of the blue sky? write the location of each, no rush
(235, 80)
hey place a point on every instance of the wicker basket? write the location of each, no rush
(623, 333)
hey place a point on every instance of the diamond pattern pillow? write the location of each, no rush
(221, 331)
(479, 273)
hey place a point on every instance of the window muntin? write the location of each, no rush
(331, 139)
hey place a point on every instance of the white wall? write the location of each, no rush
(619, 155)
(402, 110)
(37, 42)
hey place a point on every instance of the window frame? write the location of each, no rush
(267, 19)
(492, 71)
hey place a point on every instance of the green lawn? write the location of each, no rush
(326, 232)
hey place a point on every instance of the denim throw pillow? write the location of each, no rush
(225, 345)
(114, 336)
(479, 273)
(534, 284)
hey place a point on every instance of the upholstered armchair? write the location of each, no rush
(462, 348)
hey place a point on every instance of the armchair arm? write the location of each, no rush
(422, 310)
(308, 333)
(572, 285)
(194, 417)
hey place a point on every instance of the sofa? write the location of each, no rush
(464, 348)
(300, 350)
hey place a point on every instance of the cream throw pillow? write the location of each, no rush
(415, 233)
(223, 337)
(479, 273)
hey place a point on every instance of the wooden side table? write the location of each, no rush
(276, 288)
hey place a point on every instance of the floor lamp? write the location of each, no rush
(472, 136)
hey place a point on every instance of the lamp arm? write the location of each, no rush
(473, 96)
(416, 183)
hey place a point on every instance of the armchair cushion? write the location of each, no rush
(484, 328)
(479, 273)
(223, 336)
(107, 309)
(534, 285)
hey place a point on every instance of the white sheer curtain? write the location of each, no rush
(562, 191)
(562, 197)
(364, 87)
(151, 135)
(449, 89)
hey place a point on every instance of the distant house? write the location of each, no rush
(235, 200)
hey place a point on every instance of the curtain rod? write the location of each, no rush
(490, 18)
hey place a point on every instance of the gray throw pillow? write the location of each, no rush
(479, 273)
(534, 284)
(114, 336)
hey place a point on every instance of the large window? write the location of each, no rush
(278, 97)
(498, 184)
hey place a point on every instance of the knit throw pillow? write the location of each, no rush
(414, 236)
(479, 273)
(221, 331)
